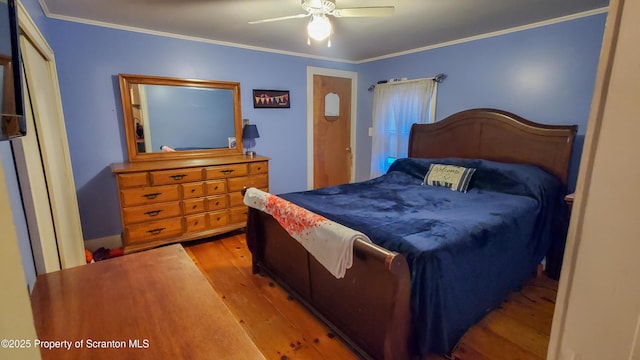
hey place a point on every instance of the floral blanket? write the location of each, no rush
(328, 242)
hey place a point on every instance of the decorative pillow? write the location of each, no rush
(456, 178)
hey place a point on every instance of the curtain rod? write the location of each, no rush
(438, 78)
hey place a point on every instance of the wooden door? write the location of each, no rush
(331, 134)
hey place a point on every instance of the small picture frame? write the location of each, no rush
(232, 142)
(271, 99)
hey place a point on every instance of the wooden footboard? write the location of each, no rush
(368, 308)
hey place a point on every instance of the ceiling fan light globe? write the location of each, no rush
(319, 28)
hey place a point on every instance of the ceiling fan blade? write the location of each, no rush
(279, 18)
(375, 11)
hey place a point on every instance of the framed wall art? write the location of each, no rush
(271, 99)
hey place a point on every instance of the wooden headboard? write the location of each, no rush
(495, 135)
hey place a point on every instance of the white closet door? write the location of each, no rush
(48, 136)
(35, 197)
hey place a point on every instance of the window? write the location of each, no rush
(397, 106)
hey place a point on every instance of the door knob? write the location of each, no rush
(348, 149)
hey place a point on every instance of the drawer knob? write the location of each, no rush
(177, 176)
(193, 190)
(153, 212)
(151, 195)
(227, 171)
(194, 206)
(156, 231)
(217, 202)
(218, 218)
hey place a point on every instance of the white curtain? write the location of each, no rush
(396, 106)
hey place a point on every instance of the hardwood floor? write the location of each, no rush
(283, 329)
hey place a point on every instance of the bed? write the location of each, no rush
(440, 259)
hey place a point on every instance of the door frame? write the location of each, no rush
(571, 284)
(67, 251)
(311, 71)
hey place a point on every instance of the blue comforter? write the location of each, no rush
(466, 251)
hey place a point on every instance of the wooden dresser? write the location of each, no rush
(172, 201)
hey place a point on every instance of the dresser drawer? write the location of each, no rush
(216, 202)
(192, 190)
(258, 181)
(158, 211)
(261, 167)
(149, 195)
(186, 175)
(216, 187)
(195, 223)
(163, 202)
(238, 215)
(193, 206)
(156, 230)
(237, 199)
(133, 180)
(218, 219)
(224, 171)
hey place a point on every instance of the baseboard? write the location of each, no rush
(107, 242)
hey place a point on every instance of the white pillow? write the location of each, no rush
(456, 178)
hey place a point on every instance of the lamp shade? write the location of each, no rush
(250, 131)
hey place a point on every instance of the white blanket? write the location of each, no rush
(329, 242)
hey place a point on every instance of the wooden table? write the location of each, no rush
(149, 305)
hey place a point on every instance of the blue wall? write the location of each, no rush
(89, 59)
(544, 74)
(37, 15)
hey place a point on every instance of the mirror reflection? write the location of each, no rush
(5, 30)
(174, 118)
(158, 108)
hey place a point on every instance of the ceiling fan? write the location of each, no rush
(319, 27)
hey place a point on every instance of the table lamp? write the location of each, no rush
(249, 136)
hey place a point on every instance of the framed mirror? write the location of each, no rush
(171, 118)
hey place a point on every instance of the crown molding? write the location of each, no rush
(491, 34)
(561, 19)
